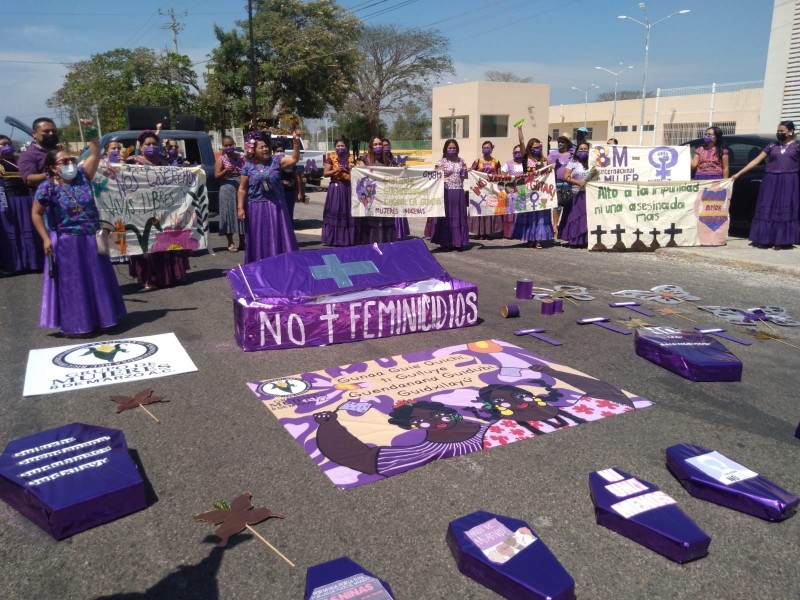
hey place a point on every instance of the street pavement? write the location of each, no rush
(216, 441)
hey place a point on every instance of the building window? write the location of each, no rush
(494, 126)
(456, 128)
(633, 127)
(620, 128)
(678, 133)
(648, 127)
(555, 134)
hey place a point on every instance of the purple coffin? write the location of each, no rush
(336, 295)
(711, 476)
(71, 478)
(692, 355)
(641, 512)
(344, 578)
(504, 555)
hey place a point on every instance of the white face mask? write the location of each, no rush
(68, 172)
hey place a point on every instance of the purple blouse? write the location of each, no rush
(235, 162)
(31, 162)
(70, 206)
(264, 182)
(560, 160)
(452, 173)
(781, 159)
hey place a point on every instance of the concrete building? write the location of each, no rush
(476, 111)
(781, 100)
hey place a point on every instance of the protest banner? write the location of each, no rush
(133, 200)
(641, 163)
(397, 192)
(505, 194)
(644, 216)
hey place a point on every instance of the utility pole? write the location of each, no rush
(173, 25)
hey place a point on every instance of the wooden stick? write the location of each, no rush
(149, 413)
(787, 343)
(273, 548)
(247, 283)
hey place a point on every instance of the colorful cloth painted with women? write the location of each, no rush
(367, 421)
(531, 191)
(70, 206)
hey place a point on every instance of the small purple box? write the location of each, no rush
(504, 555)
(641, 512)
(71, 478)
(691, 355)
(344, 578)
(713, 477)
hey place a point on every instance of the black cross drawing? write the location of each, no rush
(639, 245)
(599, 231)
(672, 231)
(619, 244)
(654, 244)
(637, 233)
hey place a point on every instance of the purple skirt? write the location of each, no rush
(370, 230)
(84, 294)
(536, 226)
(401, 228)
(160, 269)
(269, 230)
(451, 231)
(338, 227)
(576, 230)
(775, 220)
(20, 245)
(491, 225)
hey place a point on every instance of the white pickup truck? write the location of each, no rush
(310, 163)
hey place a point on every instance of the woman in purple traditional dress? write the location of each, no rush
(371, 230)
(560, 157)
(487, 226)
(19, 247)
(775, 222)
(401, 228)
(535, 227)
(710, 161)
(80, 292)
(227, 169)
(269, 227)
(576, 230)
(156, 269)
(338, 226)
(451, 230)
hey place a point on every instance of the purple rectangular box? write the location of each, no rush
(344, 578)
(691, 355)
(711, 476)
(505, 555)
(337, 295)
(71, 478)
(641, 512)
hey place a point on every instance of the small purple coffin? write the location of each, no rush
(344, 578)
(505, 555)
(641, 512)
(711, 476)
(337, 295)
(692, 355)
(71, 478)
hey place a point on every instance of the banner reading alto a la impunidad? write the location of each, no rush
(397, 192)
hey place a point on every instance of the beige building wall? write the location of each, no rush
(782, 73)
(668, 119)
(471, 112)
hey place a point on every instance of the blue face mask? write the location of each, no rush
(68, 172)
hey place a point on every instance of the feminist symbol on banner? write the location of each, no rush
(663, 159)
(340, 272)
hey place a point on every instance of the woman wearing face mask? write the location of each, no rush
(338, 226)
(112, 152)
(576, 229)
(710, 161)
(451, 230)
(536, 227)
(80, 292)
(401, 228)
(560, 157)
(370, 230)
(227, 169)
(19, 247)
(292, 185)
(172, 152)
(269, 227)
(775, 221)
(486, 227)
(156, 269)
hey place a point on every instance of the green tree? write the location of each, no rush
(397, 66)
(412, 123)
(506, 76)
(304, 55)
(623, 95)
(112, 80)
(354, 126)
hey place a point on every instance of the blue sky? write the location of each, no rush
(559, 42)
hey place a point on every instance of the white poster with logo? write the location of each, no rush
(641, 163)
(397, 192)
(120, 360)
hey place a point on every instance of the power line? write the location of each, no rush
(173, 25)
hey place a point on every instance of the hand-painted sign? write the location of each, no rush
(506, 194)
(397, 192)
(641, 163)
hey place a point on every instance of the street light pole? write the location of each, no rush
(616, 80)
(648, 27)
(585, 100)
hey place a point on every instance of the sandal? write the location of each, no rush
(232, 248)
(538, 245)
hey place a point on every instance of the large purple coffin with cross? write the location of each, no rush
(71, 478)
(336, 295)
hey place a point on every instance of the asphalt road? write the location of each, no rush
(216, 440)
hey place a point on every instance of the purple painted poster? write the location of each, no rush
(368, 421)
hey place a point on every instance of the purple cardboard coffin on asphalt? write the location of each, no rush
(344, 578)
(336, 295)
(640, 511)
(711, 476)
(692, 355)
(505, 555)
(71, 478)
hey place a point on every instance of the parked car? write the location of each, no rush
(310, 163)
(742, 148)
